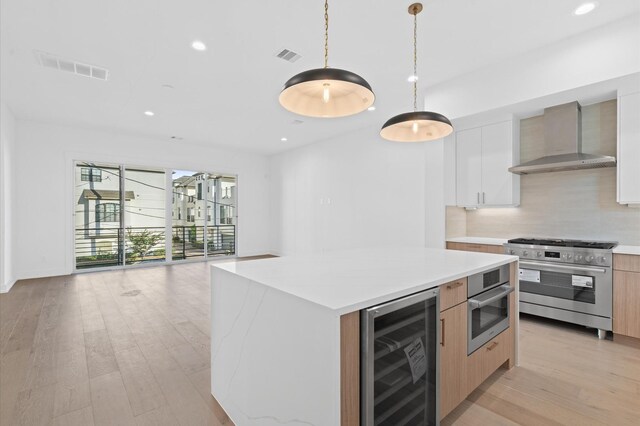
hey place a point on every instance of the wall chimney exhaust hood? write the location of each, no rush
(563, 144)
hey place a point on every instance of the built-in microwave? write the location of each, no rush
(488, 306)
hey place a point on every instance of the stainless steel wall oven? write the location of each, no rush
(488, 306)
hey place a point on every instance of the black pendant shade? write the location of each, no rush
(326, 92)
(416, 126)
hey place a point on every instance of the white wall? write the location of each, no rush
(43, 176)
(435, 192)
(7, 149)
(602, 54)
(355, 190)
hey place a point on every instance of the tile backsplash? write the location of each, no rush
(577, 204)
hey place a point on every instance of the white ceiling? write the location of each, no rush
(228, 95)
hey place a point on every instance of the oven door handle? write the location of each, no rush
(476, 304)
(564, 267)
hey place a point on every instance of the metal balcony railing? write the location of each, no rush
(188, 241)
(104, 247)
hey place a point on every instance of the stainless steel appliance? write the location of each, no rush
(400, 361)
(563, 144)
(488, 306)
(567, 280)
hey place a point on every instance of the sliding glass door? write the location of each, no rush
(121, 217)
(198, 228)
(144, 215)
(98, 215)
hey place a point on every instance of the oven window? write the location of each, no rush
(483, 319)
(491, 278)
(560, 285)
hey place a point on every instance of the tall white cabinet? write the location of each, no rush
(629, 149)
(483, 157)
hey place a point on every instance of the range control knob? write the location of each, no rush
(525, 253)
(539, 254)
(569, 256)
(602, 259)
(578, 257)
(512, 252)
(590, 258)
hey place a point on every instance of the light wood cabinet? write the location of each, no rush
(482, 248)
(453, 358)
(628, 156)
(626, 262)
(453, 293)
(483, 157)
(626, 295)
(484, 361)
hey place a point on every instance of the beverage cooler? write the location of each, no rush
(400, 361)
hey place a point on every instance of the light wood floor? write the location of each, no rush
(132, 347)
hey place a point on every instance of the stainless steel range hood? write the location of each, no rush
(563, 144)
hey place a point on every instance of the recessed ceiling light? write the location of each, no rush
(283, 139)
(371, 108)
(585, 8)
(149, 113)
(412, 78)
(199, 45)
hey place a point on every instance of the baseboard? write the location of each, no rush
(44, 273)
(4, 288)
(627, 340)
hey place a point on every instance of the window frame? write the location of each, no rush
(105, 211)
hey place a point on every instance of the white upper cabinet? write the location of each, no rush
(450, 170)
(469, 166)
(629, 149)
(484, 155)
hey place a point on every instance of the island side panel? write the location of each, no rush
(514, 307)
(350, 369)
(275, 358)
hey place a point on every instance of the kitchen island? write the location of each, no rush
(285, 331)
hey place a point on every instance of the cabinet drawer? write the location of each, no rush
(453, 293)
(483, 362)
(626, 262)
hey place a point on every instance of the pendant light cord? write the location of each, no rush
(415, 61)
(326, 33)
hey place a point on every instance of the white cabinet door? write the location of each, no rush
(450, 170)
(469, 167)
(497, 157)
(629, 149)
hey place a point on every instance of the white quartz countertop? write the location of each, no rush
(348, 281)
(479, 240)
(627, 250)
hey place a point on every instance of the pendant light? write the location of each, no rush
(326, 92)
(416, 126)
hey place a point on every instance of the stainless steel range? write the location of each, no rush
(567, 280)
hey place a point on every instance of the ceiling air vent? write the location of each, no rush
(288, 55)
(48, 60)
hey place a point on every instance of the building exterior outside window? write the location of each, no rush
(108, 212)
(90, 174)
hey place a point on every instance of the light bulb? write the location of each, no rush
(325, 93)
(414, 127)
(585, 8)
